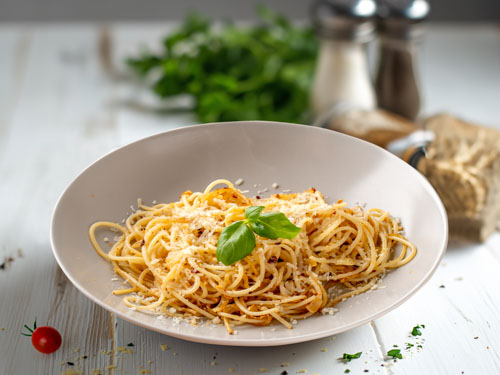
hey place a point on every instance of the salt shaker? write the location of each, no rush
(342, 75)
(400, 29)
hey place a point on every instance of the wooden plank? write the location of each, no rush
(14, 49)
(61, 123)
(459, 308)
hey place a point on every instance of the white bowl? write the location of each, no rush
(296, 157)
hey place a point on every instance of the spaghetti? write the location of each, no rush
(166, 253)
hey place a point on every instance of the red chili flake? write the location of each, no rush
(314, 190)
(273, 259)
(143, 242)
(194, 271)
(257, 196)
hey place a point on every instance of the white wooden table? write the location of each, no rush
(60, 109)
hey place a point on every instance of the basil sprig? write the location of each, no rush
(238, 240)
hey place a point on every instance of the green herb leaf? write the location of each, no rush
(235, 242)
(263, 71)
(253, 212)
(273, 225)
(346, 371)
(348, 357)
(395, 353)
(416, 330)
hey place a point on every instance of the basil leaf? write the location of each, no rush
(235, 242)
(253, 212)
(273, 225)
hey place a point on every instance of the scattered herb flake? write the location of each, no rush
(395, 353)
(349, 357)
(416, 330)
(130, 344)
(346, 371)
(70, 363)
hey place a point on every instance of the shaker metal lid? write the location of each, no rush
(400, 18)
(344, 19)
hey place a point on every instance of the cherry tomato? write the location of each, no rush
(45, 339)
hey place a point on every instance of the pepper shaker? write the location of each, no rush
(342, 75)
(400, 28)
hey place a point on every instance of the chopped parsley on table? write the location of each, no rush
(348, 357)
(416, 330)
(395, 353)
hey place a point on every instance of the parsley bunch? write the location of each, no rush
(262, 72)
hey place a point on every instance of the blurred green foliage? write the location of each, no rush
(260, 72)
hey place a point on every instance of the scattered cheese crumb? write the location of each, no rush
(212, 363)
(172, 310)
(238, 182)
(144, 371)
(329, 310)
(294, 321)
(164, 347)
(122, 349)
(287, 191)
(110, 367)
(230, 369)
(154, 202)
(106, 239)
(235, 332)
(303, 371)
(175, 353)
(263, 369)
(323, 349)
(275, 185)
(216, 320)
(2, 329)
(285, 364)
